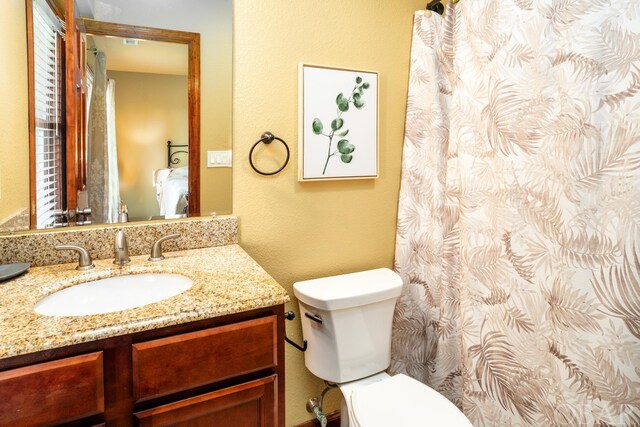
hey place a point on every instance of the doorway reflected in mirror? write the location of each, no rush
(151, 107)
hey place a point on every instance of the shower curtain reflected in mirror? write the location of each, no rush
(518, 232)
(102, 177)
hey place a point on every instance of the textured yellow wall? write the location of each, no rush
(297, 231)
(14, 130)
(151, 109)
(216, 92)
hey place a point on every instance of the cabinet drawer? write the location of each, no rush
(251, 404)
(52, 392)
(180, 362)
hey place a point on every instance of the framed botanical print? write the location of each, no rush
(338, 123)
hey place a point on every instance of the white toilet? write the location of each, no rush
(346, 321)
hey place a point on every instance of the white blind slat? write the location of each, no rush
(48, 113)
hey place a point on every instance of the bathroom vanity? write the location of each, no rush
(212, 355)
(221, 372)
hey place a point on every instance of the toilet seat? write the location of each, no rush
(399, 401)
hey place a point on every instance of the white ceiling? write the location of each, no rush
(84, 8)
(147, 57)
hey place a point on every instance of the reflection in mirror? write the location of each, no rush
(148, 93)
(47, 111)
(132, 93)
(142, 129)
(146, 106)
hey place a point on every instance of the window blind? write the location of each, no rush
(49, 114)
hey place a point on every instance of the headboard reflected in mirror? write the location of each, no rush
(141, 129)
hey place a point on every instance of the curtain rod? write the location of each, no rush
(437, 6)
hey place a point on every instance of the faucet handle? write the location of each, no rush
(121, 249)
(84, 257)
(156, 249)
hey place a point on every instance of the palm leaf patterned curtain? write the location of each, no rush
(103, 185)
(518, 233)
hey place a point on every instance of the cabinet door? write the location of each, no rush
(180, 362)
(252, 404)
(52, 392)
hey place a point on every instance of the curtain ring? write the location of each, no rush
(268, 138)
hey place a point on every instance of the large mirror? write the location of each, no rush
(162, 72)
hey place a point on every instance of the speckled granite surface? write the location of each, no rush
(38, 247)
(226, 280)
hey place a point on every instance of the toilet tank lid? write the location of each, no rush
(349, 290)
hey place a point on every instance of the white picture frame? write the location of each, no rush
(338, 123)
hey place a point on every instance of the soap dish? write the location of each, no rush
(9, 271)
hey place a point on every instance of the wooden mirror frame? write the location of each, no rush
(73, 56)
(192, 40)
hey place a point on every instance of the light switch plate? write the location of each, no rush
(219, 159)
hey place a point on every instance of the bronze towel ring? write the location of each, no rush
(268, 138)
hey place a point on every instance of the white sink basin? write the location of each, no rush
(113, 294)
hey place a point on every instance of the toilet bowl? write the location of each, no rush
(347, 321)
(399, 401)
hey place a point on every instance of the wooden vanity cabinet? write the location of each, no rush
(45, 393)
(248, 404)
(226, 371)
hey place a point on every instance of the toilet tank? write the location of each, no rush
(347, 321)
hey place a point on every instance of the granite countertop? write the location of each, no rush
(226, 280)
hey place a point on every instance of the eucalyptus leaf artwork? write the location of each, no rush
(338, 123)
(344, 148)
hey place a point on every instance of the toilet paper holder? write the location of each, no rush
(290, 315)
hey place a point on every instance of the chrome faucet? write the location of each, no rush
(84, 257)
(156, 250)
(121, 249)
(124, 213)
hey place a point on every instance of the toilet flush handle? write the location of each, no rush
(314, 317)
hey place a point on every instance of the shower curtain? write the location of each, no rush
(103, 186)
(518, 234)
